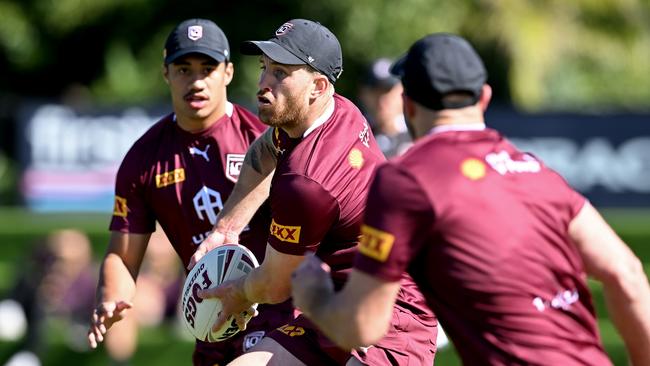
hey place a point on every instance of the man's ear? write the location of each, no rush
(408, 106)
(165, 72)
(321, 85)
(486, 96)
(229, 72)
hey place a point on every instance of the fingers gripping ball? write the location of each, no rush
(227, 262)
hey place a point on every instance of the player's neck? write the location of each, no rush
(198, 124)
(318, 113)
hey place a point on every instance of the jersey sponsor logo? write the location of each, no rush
(284, 28)
(207, 204)
(234, 163)
(195, 32)
(204, 153)
(364, 135)
(473, 169)
(251, 339)
(119, 208)
(169, 178)
(503, 163)
(562, 300)
(292, 330)
(375, 243)
(355, 158)
(286, 233)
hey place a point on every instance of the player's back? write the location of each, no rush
(499, 269)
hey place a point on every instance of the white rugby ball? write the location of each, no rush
(227, 262)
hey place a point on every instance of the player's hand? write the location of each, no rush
(233, 302)
(104, 316)
(215, 239)
(311, 283)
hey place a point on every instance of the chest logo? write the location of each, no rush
(355, 158)
(207, 204)
(234, 163)
(375, 243)
(169, 178)
(203, 153)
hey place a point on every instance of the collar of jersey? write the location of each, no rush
(320, 120)
(463, 127)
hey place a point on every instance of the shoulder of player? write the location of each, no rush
(298, 186)
(246, 119)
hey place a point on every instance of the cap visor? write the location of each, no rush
(272, 50)
(397, 68)
(220, 57)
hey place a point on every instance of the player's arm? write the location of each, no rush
(358, 315)
(250, 192)
(627, 293)
(116, 286)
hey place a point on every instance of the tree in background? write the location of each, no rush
(542, 55)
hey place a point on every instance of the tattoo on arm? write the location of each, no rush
(261, 155)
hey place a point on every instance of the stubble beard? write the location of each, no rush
(285, 116)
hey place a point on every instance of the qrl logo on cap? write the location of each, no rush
(195, 32)
(284, 28)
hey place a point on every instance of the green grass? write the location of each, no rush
(160, 346)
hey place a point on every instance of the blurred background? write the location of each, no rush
(81, 80)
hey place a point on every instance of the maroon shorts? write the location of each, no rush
(220, 353)
(410, 341)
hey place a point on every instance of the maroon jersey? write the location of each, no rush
(482, 228)
(182, 179)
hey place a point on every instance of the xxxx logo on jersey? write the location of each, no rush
(292, 330)
(375, 243)
(169, 178)
(286, 233)
(119, 208)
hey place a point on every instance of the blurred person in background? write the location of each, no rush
(500, 244)
(179, 173)
(380, 95)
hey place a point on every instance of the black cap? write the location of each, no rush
(439, 64)
(197, 36)
(378, 74)
(302, 42)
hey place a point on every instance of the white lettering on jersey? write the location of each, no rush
(197, 151)
(207, 201)
(562, 300)
(198, 239)
(364, 135)
(502, 162)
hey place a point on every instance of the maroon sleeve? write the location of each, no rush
(303, 212)
(131, 213)
(398, 220)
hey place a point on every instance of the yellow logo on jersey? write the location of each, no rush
(289, 234)
(473, 169)
(119, 208)
(169, 178)
(355, 158)
(292, 330)
(375, 243)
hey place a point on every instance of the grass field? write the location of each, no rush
(162, 346)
